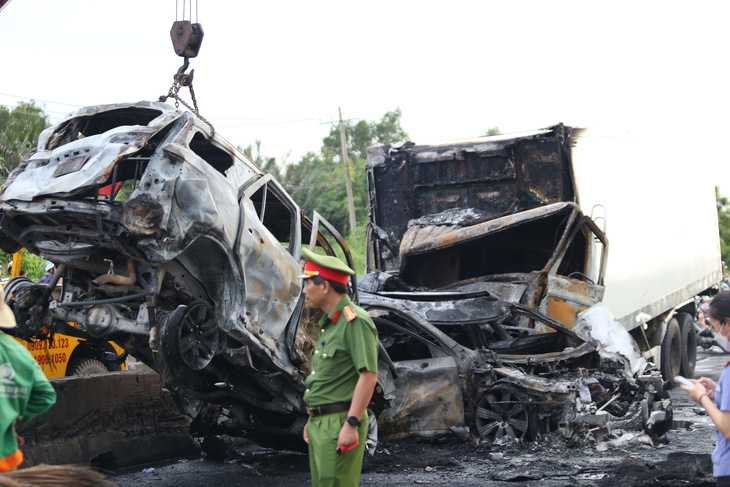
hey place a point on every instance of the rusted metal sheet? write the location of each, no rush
(566, 298)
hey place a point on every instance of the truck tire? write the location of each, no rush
(85, 366)
(688, 335)
(671, 351)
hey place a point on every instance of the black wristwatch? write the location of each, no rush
(353, 421)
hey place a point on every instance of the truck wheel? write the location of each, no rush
(688, 335)
(85, 366)
(671, 351)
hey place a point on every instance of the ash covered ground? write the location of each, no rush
(681, 458)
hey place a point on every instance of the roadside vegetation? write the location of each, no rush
(723, 220)
(19, 131)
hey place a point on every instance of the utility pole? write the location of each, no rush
(346, 160)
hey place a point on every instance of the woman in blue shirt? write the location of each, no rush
(715, 397)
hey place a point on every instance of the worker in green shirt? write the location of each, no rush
(24, 390)
(344, 372)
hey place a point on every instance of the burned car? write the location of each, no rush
(460, 359)
(173, 244)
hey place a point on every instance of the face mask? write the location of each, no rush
(722, 340)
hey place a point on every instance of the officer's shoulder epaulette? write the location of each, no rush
(349, 313)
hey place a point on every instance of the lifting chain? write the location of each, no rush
(186, 40)
(181, 79)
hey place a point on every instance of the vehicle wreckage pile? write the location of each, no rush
(173, 244)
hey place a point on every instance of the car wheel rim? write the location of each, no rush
(502, 413)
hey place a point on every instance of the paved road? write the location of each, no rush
(684, 460)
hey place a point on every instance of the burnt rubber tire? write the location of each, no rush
(504, 411)
(671, 351)
(190, 335)
(371, 443)
(85, 366)
(13, 284)
(688, 335)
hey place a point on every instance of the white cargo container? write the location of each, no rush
(655, 200)
(489, 210)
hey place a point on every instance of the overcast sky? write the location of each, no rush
(278, 70)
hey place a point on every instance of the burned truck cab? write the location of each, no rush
(498, 214)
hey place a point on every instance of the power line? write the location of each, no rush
(224, 122)
(260, 122)
(37, 99)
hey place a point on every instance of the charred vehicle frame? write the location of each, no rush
(480, 252)
(177, 247)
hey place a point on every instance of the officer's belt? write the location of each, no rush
(336, 407)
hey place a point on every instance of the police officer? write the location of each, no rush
(343, 377)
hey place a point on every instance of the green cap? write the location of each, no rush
(325, 266)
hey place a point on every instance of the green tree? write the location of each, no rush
(493, 131)
(317, 181)
(19, 131)
(723, 219)
(362, 135)
(267, 164)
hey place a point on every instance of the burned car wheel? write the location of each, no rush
(503, 412)
(190, 335)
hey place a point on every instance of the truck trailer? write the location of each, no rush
(530, 217)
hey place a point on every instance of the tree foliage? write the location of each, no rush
(317, 181)
(723, 219)
(362, 135)
(267, 164)
(19, 131)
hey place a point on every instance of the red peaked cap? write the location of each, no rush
(326, 266)
(325, 272)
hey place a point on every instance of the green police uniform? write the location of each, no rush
(347, 343)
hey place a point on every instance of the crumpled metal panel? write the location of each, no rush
(180, 197)
(568, 298)
(419, 239)
(101, 152)
(497, 175)
(512, 247)
(272, 287)
(536, 383)
(428, 399)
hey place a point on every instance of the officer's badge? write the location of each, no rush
(349, 313)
